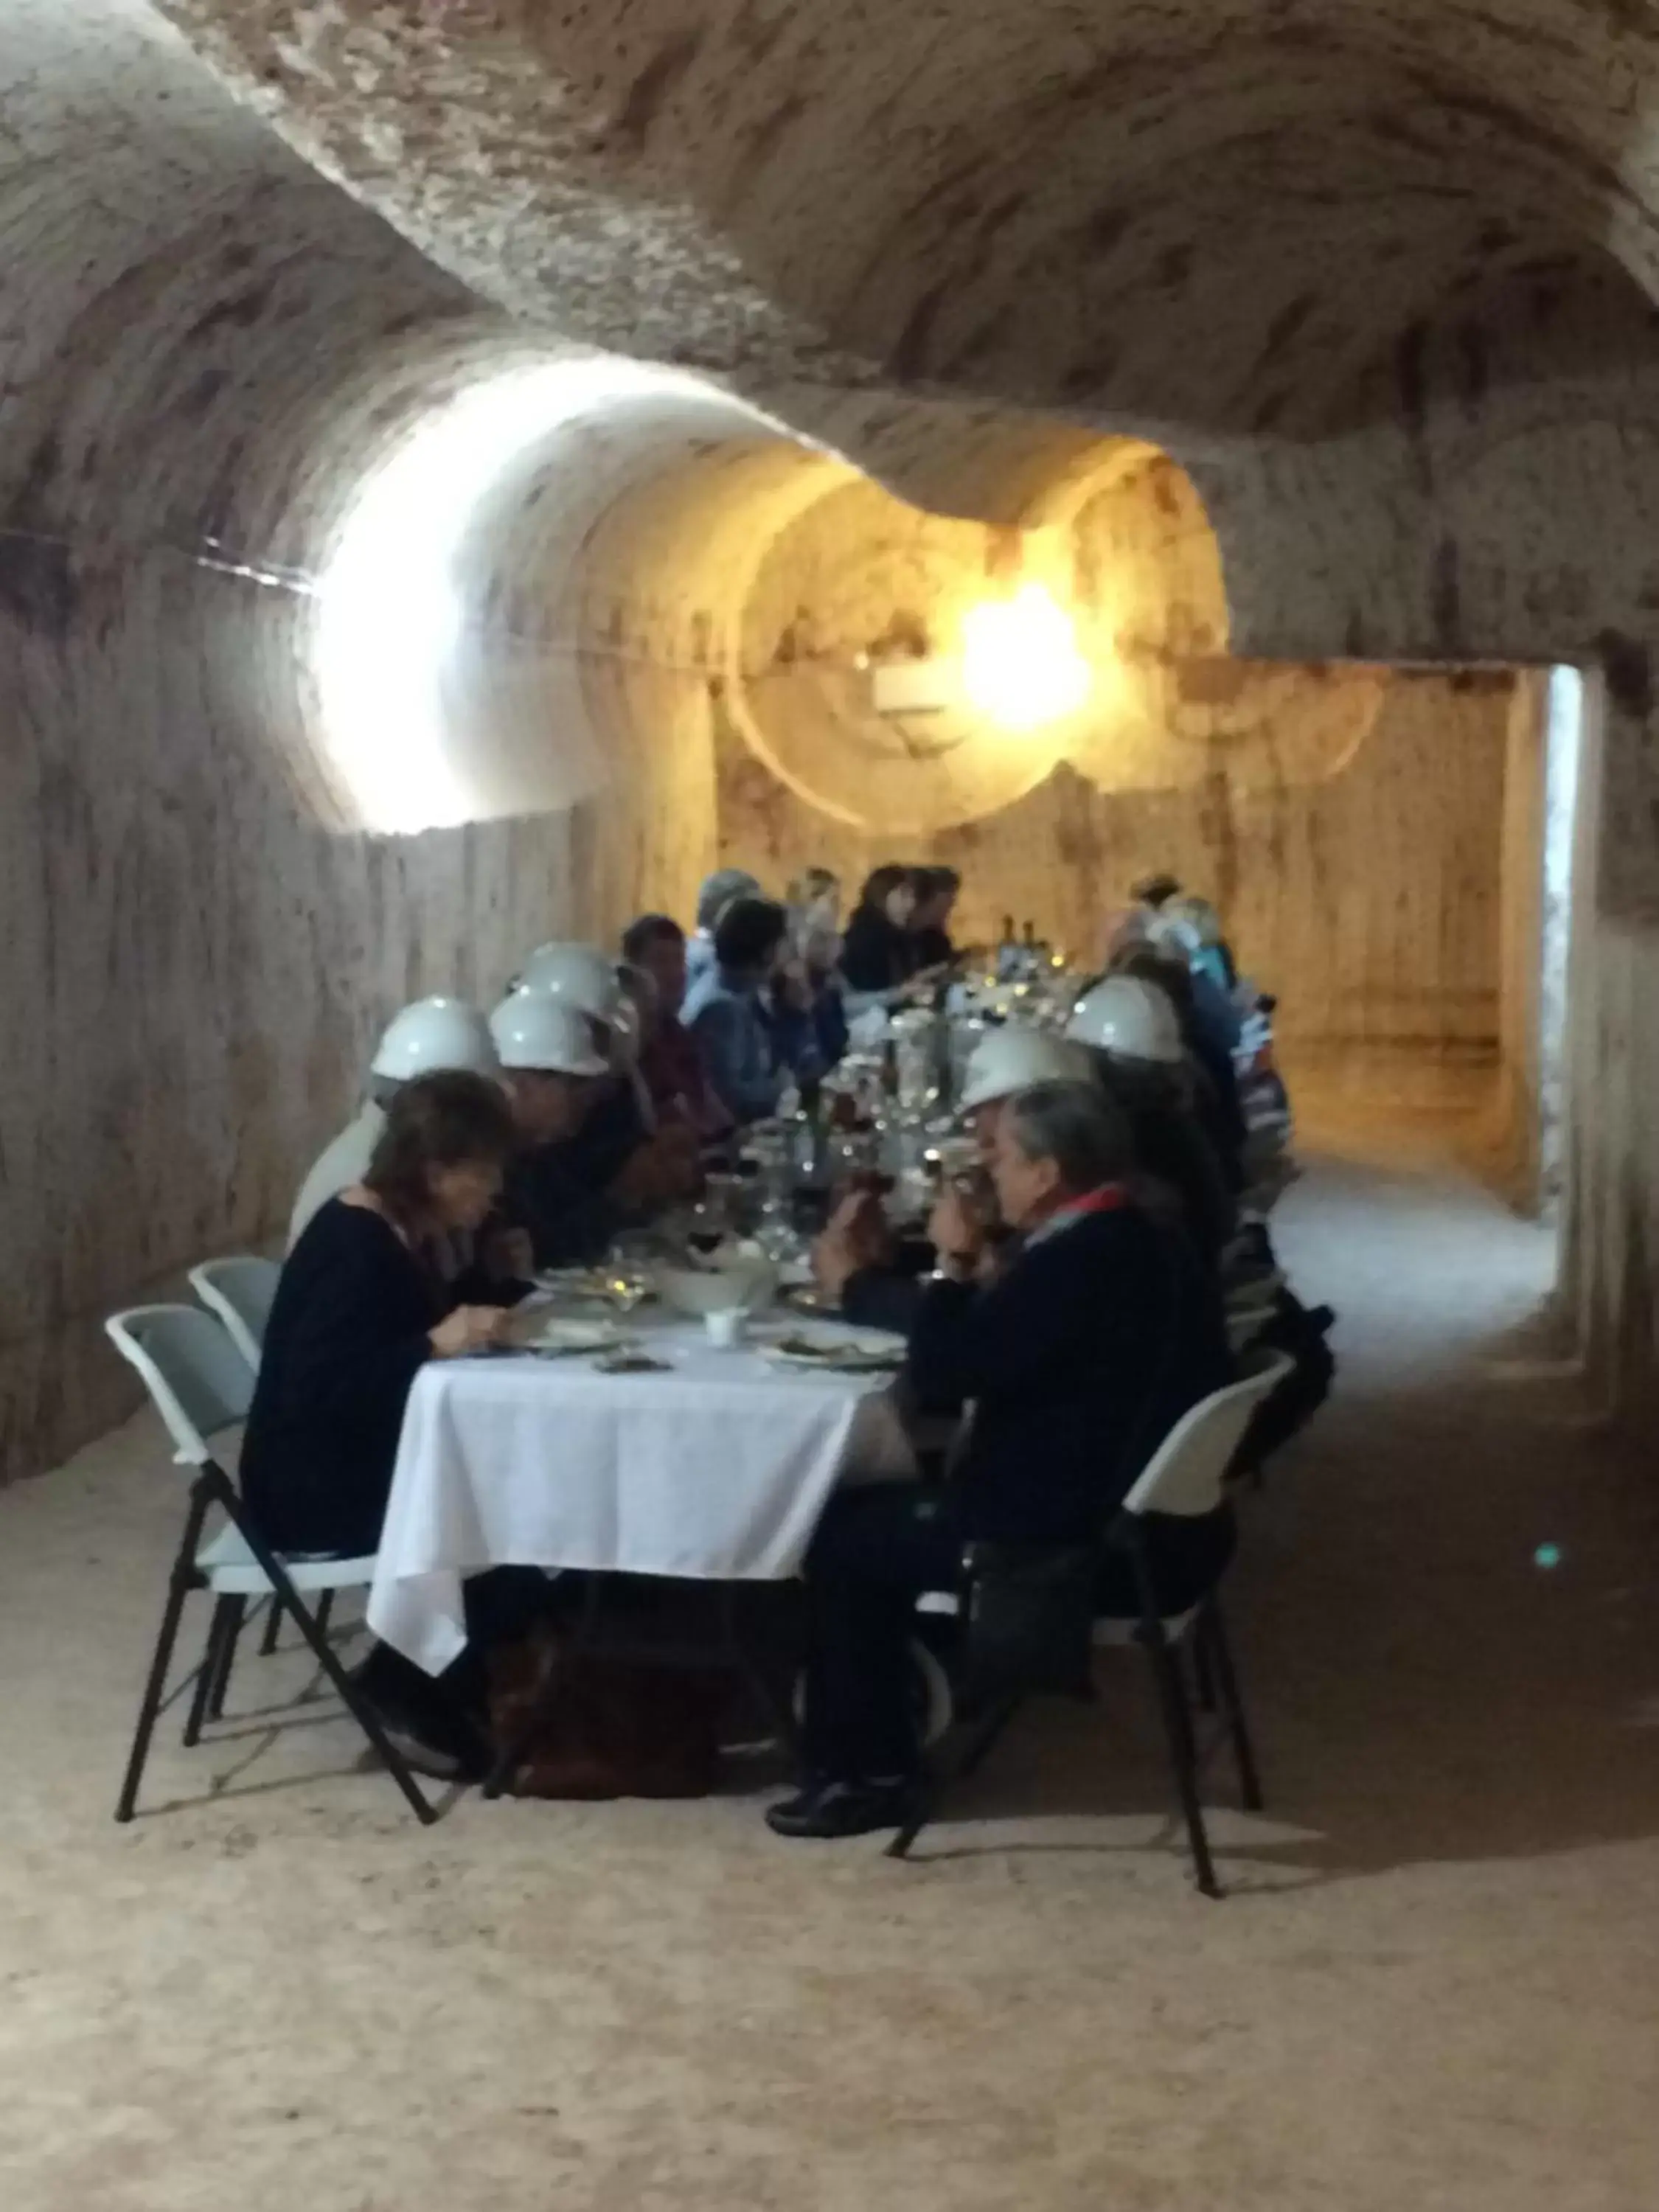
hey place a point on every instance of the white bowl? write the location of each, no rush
(751, 1283)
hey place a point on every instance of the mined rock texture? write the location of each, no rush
(1377, 278)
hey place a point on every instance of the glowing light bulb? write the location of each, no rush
(1020, 662)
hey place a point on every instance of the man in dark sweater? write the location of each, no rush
(1079, 1358)
(877, 1278)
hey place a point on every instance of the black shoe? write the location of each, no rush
(427, 1741)
(842, 1808)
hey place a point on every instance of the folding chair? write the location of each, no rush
(240, 1291)
(202, 1386)
(1186, 1479)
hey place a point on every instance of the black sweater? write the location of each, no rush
(1080, 1359)
(876, 954)
(348, 1334)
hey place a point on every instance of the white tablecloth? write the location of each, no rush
(717, 1469)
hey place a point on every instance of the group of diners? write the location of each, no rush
(1070, 1292)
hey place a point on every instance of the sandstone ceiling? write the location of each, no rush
(1210, 213)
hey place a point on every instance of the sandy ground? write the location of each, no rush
(1434, 1983)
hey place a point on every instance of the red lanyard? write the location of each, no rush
(1111, 1198)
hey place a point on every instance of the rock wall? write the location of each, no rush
(1369, 900)
(203, 343)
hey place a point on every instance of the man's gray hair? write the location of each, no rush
(720, 890)
(1077, 1126)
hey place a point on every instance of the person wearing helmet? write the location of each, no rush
(1130, 1030)
(432, 1035)
(1012, 1059)
(1206, 1032)
(554, 1076)
(858, 1262)
(586, 979)
(721, 890)
(615, 1150)
(1079, 1358)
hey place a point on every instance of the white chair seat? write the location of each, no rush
(230, 1570)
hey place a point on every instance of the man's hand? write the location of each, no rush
(957, 1231)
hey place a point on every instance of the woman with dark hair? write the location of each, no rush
(359, 1311)
(878, 957)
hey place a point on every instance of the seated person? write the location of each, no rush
(1080, 1357)
(745, 1063)
(1215, 1080)
(813, 963)
(857, 1260)
(877, 959)
(1132, 1029)
(669, 1062)
(555, 1076)
(719, 892)
(358, 1312)
(937, 892)
(1214, 957)
(613, 1151)
(432, 1034)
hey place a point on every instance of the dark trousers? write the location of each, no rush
(875, 1552)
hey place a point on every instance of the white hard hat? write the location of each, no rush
(1130, 1018)
(434, 1034)
(1009, 1060)
(535, 1030)
(581, 974)
(1175, 933)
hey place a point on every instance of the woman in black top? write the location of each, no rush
(359, 1310)
(878, 957)
(1080, 1357)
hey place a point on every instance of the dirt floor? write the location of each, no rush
(1434, 1985)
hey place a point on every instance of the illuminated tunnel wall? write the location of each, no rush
(1428, 438)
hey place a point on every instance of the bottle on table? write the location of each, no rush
(1008, 952)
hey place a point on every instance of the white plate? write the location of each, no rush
(864, 1355)
(579, 1336)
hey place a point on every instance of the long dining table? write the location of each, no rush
(713, 1466)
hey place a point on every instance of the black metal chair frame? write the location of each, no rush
(212, 1488)
(1217, 1690)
